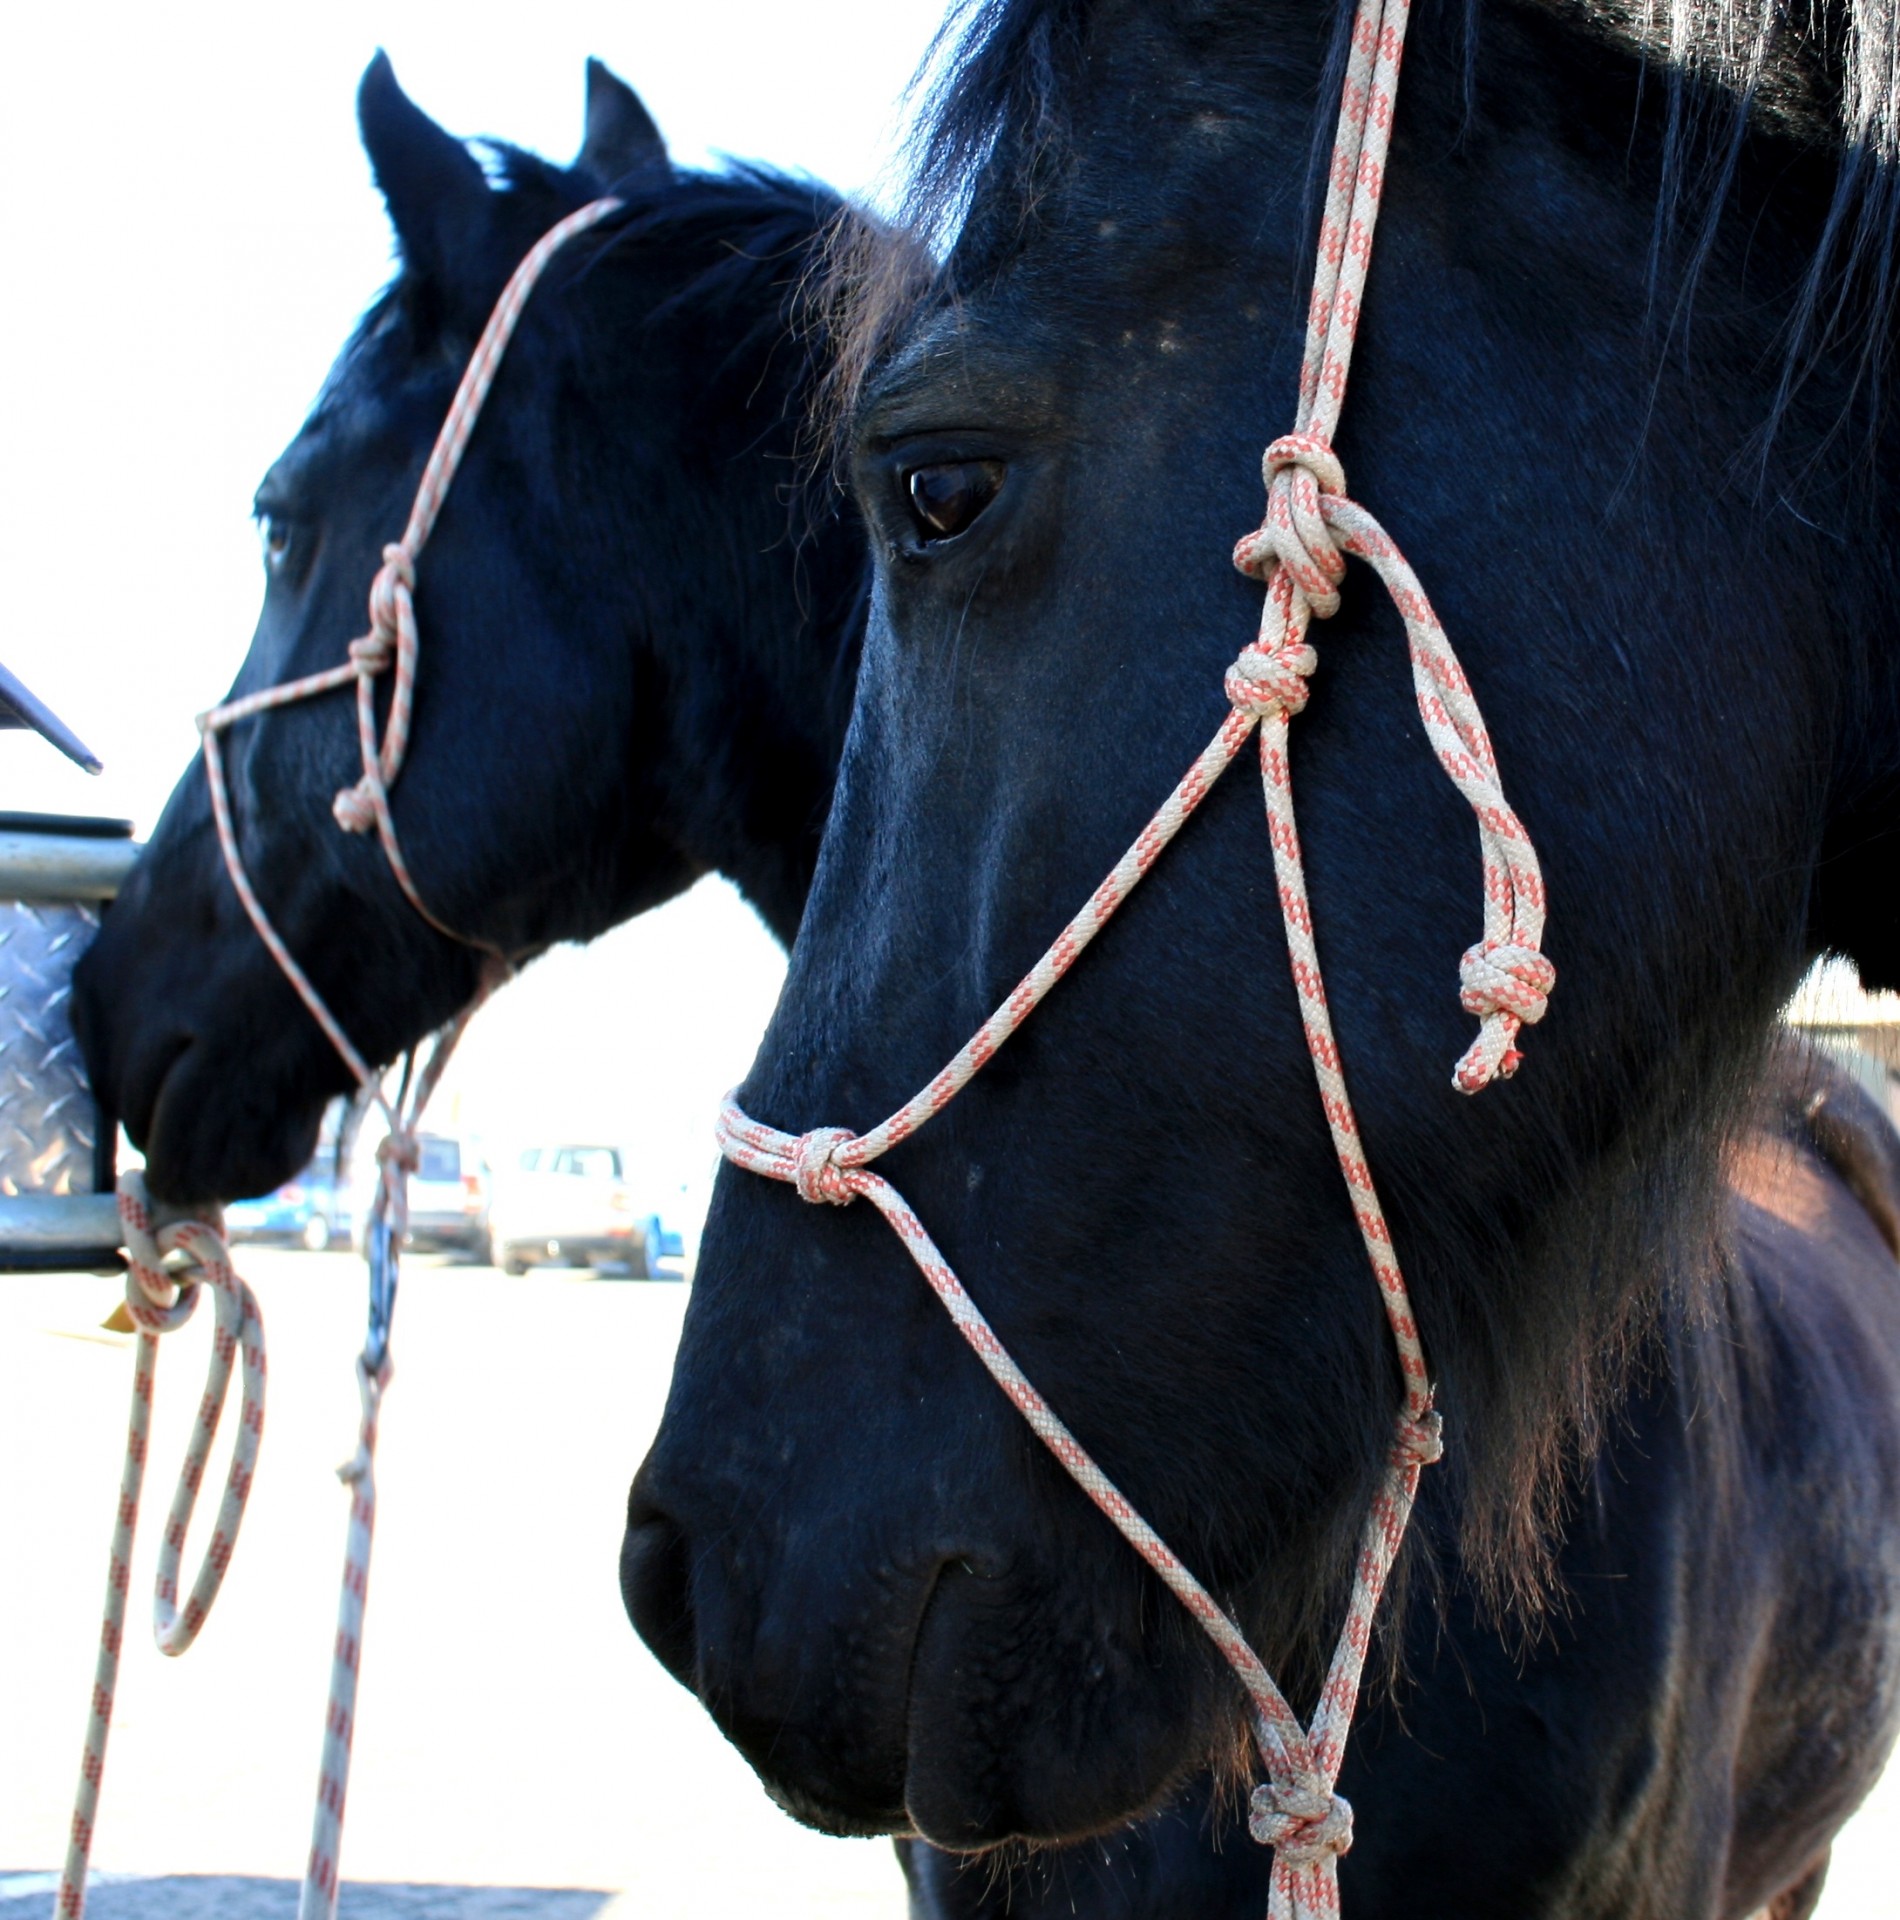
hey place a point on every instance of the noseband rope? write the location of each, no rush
(1299, 550)
(159, 1299)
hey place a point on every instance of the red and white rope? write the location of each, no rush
(1505, 981)
(157, 1303)
(160, 1300)
(322, 1878)
(392, 639)
(389, 1220)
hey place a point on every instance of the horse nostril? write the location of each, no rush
(655, 1588)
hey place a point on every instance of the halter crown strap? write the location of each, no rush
(1299, 553)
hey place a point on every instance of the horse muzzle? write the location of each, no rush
(959, 1690)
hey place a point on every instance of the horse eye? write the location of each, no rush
(945, 500)
(276, 537)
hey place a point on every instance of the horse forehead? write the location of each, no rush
(968, 353)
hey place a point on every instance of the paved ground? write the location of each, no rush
(227, 1897)
(519, 1755)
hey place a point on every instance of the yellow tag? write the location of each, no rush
(119, 1320)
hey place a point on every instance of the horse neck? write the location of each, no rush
(764, 711)
(747, 659)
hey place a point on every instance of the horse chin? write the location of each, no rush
(1023, 1735)
(833, 1818)
(197, 1149)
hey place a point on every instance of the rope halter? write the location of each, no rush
(392, 642)
(1299, 553)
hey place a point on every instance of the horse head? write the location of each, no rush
(844, 1539)
(636, 637)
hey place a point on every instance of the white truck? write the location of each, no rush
(569, 1206)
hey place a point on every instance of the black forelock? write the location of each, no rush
(746, 227)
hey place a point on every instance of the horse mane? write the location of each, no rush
(993, 92)
(746, 228)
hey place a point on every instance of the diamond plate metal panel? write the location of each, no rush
(48, 1124)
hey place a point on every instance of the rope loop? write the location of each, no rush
(156, 1301)
(159, 1300)
(1265, 681)
(391, 640)
(815, 1169)
(1304, 1824)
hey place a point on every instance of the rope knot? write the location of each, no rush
(354, 808)
(399, 1150)
(1304, 453)
(815, 1169)
(1265, 682)
(1298, 468)
(395, 581)
(1302, 1824)
(159, 1297)
(370, 1383)
(1419, 1442)
(1499, 976)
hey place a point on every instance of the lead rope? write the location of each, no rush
(388, 1222)
(158, 1301)
(1504, 980)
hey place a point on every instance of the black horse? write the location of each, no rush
(1609, 395)
(639, 634)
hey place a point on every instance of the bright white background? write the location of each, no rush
(188, 232)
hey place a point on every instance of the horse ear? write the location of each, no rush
(435, 190)
(621, 138)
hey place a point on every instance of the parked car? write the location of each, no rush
(571, 1206)
(312, 1210)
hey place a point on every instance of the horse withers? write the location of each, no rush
(1660, 1663)
(639, 630)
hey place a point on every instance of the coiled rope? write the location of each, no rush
(159, 1300)
(1310, 525)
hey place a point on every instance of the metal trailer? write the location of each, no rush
(58, 873)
